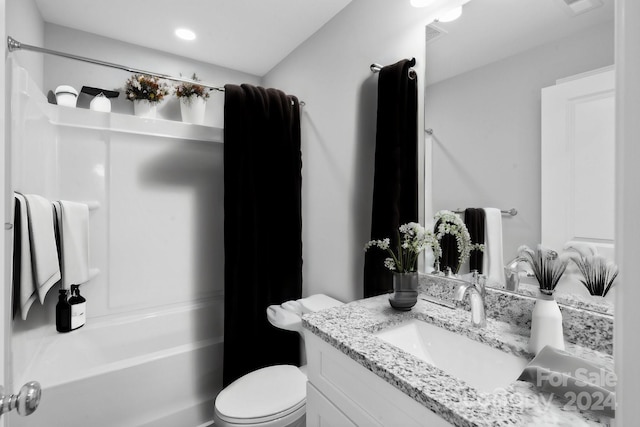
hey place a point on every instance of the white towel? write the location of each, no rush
(292, 306)
(492, 261)
(44, 252)
(317, 302)
(283, 319)
(26, 291)
(73, 225)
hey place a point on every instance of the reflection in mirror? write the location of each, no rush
(485, 75)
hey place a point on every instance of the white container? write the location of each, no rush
(66, 95)
(192, 109)
(546, 324)
(144, 108)
(100, 103)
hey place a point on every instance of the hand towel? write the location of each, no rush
(44, 252)
(292, 306)
(283, 319)
(493, 262)
(474, 219)
(562, 373)
(74, 243)
(317, 302)
(24, 284)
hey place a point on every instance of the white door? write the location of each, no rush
(578, 157)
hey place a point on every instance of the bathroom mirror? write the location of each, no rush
(484, 77)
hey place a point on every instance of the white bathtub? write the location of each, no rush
(156, 369)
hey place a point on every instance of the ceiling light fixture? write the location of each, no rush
(450, 15)
(421, 3)
(185, 34)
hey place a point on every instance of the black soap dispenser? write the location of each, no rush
(63, 312)
(78, 308)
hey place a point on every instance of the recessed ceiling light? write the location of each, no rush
(185, 34)
(421, 3)
(450, 15)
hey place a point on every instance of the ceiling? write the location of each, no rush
(245, 35)
(255, 35)
(490, 30)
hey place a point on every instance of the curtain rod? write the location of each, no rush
(14, 45)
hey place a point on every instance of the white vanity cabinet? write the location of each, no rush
(341, 392)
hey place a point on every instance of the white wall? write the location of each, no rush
(330, 72)
(626, 338)
(486, 123)
(25, 24)
(77, 74)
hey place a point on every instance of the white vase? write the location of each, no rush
(192, 109)
(144, 108)
(546, 324)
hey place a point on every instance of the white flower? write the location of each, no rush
(412, 239)
(390, 264)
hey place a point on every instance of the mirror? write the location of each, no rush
(484, 76)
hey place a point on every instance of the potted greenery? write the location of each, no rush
(546, 318)
(451, 232)
(145, 92)
(411, 240)
(193, 100)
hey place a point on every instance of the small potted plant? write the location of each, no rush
(598, 273)
(412, 239)
(546, 318)
(193, 100)
(145, 92)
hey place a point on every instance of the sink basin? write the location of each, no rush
(479, 365)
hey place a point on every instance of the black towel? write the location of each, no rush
(262, 225)
(395, 183)
(449, 246)
(474, 219)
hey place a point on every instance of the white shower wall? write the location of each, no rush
(157, 237)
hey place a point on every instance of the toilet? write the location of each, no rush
(274, 396)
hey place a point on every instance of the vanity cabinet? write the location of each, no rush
(341, 392)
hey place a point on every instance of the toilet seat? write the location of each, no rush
(264, 395)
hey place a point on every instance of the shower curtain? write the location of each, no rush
(395, 186)
(262, 225)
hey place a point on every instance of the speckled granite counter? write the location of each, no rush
(350, 329)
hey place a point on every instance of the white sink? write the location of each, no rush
(479, 365)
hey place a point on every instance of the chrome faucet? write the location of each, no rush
(477, 293)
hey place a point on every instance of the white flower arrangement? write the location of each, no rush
(450, 223)
(547, 266)
(598, 273)
(412, 240)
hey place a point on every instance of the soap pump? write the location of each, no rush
(78, 308)
(63, 312)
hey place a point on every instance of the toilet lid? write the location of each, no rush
(263, 395)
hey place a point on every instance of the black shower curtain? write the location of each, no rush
(395, 186)
(262, 225)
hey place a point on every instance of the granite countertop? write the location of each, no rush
(349, 328)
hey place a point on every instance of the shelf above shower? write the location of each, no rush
(115, 122)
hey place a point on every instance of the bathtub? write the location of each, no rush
(160, 369)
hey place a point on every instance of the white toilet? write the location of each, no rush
(274, 396)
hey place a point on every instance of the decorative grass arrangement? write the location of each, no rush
(598, 273)
(546, 264)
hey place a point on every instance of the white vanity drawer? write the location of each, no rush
(322, 413)
(363, 397)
